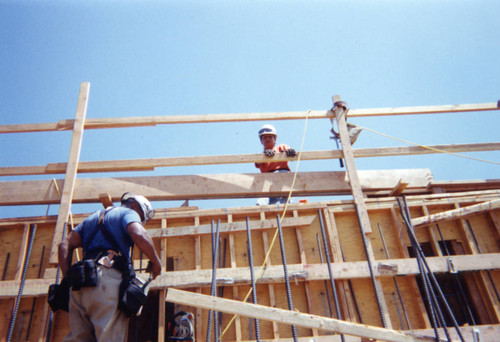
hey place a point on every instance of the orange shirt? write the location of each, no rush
(273, 166)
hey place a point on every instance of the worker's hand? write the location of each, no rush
(269, 153)
(291, 152)
(155, 270)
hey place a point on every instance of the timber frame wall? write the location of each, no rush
(463, 216)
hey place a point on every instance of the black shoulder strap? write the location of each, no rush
(107, 235)
(96, 229)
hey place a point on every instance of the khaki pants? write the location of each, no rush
(93, 311)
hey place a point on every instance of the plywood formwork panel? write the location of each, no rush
(301, 244)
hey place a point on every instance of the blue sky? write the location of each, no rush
(204, 57)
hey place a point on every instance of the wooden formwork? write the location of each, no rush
(372, 269)
(183, 239)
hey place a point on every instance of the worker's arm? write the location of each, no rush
(142, 239)
(65, 251)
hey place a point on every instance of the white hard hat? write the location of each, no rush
(147, 209)
(267, 129)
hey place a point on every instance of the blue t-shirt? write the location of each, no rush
(116, 221)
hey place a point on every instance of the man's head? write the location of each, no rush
(267, 135)
(140, 204)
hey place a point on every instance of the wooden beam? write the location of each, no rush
(106, 200)
(288, 317)
(399, 188)
(456, 213)
(340, 113)
(303, 221)
(72, 165)
(150, 164)
(242, 117)
(273, 274)
(159, 188)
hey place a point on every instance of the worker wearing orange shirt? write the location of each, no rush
(268, 136)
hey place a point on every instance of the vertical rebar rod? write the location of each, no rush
(481, 252)
(330, 273)
(21, 286)
(325, 282)
(252, 277)
(394, 278)
(213, 288)
(285, 271)
(462, 297)
(34, 299)
(427, 272)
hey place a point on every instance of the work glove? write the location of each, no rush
(269, 153)
(291, 152)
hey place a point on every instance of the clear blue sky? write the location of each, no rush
(201, 57)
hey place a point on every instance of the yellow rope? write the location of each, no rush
(259, 275)
(426, 147)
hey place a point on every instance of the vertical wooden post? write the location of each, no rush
(482, 279)
(71, 169)
(303, 261)
(347, 297)
(340, 112)
(197, 260)
(232, 252)
(162, 293)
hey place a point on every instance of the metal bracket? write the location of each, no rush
(476, 335)
(391, 269)
(226, 281)
(451, 265)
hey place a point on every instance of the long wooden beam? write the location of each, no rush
(288, 317)
(303, 221)
(150, 164)
(274, 273)
(71, 169)
(456, 213)
(65, 125)
(160, 188)
(334, 205)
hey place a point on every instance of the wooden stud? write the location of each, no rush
(456, 213)
(69, 182)
(362, 212)
(106, 200)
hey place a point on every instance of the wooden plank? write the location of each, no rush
(456, 213)
(346, 295)
(150, 164)
(232, 253)
(274, 273)
(159, 188)
(162, 293)
(362, 212)
(303, 260)
(303, 221)
(243, 117)
(399, 188)
(288, 317)
(106, 200)
(69, 182)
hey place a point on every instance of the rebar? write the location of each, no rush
(285, 271)
(252, 277)
(329, 267)
(21, 286)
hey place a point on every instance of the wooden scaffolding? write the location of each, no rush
(347, 267)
